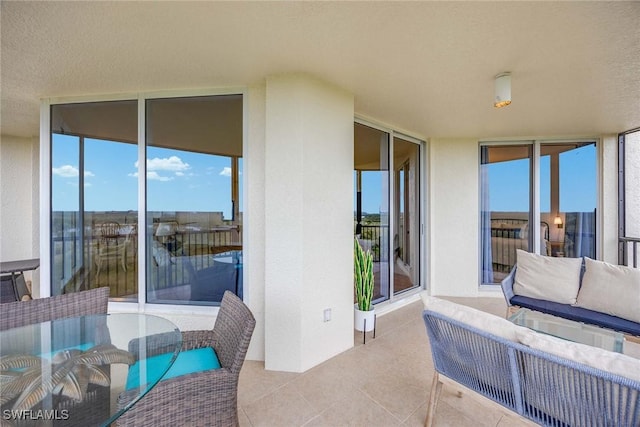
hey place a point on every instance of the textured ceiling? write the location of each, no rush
(423, 67)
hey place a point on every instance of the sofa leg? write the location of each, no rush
(436, 388)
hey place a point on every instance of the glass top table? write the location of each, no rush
(569, 330)
(71, 371)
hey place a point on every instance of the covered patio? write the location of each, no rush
(305, 72)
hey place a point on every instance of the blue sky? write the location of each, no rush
(509, 183)
(372, 184)
(177, 180)
(187, 181)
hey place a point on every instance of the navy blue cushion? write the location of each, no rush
(578, 314)
(187, 362)
(211, 283)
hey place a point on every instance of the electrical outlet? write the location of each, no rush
(327, 314)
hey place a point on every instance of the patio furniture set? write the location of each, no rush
(558, 359)
(59, 358)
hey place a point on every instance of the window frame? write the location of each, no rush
(45, 181)
(534, 213)
(624, 258)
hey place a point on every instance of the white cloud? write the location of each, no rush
(226, 171)
(66, 171)
(179, 173)
(152, 175)
(173, 163)
(69, 171)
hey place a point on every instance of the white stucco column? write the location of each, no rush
(308, 222)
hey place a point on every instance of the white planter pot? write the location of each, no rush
(360, 317)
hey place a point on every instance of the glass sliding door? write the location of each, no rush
(568, 198)
(406, 240)
(194, 204)
(505, 206)
(94, 197)
(387, 211)
(371, 213)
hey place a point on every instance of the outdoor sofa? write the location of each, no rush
(578, 289)
(545, 379)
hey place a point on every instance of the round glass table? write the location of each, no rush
(73, 371)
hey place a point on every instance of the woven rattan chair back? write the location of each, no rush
(204, 398)
(232, 332)
(21, 313)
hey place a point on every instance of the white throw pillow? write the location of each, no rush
(547, 278)
(478, 319)
(616, 363)
(611, 289)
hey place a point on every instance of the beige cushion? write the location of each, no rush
(611, 289)
(478, 319)
(547, 278)
(595, 357)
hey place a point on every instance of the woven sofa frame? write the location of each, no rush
(544, 388)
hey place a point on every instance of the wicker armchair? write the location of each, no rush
(21, 313)
(205, 398)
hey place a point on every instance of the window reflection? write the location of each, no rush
(567, 226)
(505, 208)
(570, 198)
(194, 216)
(94, 198)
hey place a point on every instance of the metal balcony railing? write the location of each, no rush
(628, 251)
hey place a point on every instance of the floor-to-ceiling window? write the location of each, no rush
(551, 184)
(194, 221)
(189, 237)
(568, 198)
(94, 201)
(505, 207)
(387, 211)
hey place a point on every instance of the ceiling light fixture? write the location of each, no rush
(503, 90)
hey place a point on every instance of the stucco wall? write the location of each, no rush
(454, 212)
(254, 220)
(19, 201)
(308, 207)
(609, 197)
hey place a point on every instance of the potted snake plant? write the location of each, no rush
(363, 283)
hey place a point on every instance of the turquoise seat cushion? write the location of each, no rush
(187, 362)
(83, 347)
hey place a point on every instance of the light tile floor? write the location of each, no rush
(385, 382)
